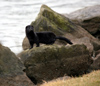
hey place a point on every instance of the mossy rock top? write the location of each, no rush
(49, 20)
(51, 52)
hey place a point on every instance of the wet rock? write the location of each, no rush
(11, 73)
(50, 62)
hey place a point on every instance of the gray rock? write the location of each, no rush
(88, 18)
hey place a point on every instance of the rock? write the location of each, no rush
(96, 61)
(86, 41)
(49, 20)
(25, 44)
(11, 73)
(50, 62)
(88, 18)
(96, 45)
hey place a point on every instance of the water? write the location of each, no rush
(16, 14)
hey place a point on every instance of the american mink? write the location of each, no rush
(45, 37)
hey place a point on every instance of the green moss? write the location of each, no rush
(56, 60)
(49, 53)
(57, 19)
(48, 20)
(43, 24)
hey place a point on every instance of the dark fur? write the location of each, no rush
(42, 37)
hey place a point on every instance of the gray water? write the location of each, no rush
(16, 14)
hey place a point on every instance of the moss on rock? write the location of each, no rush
(49, 62)
(49, 20)
(52, 51)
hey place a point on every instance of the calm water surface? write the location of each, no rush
(16, 14)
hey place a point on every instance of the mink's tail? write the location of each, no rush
(65, 39)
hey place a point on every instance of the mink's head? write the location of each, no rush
(29, 28)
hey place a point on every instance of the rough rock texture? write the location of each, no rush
(11, 73)
(49, 20)
(88, 18)
(17, 80)
(50, 62)
(96, 61)
(86, 41)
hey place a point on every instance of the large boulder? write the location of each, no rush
(88, 18)
(50, 62)
(11, 73)
(49, 20)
